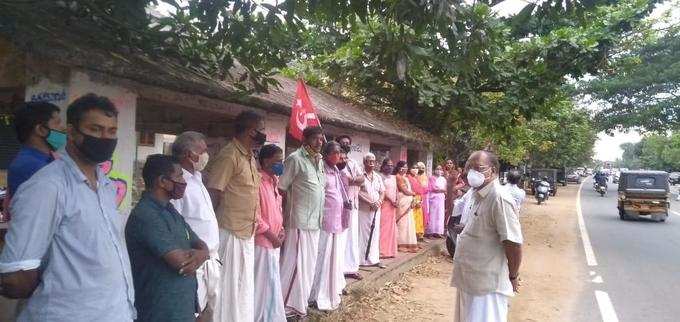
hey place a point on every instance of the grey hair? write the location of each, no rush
(369, 155)
(186, 142)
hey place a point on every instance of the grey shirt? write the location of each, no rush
(74, 235)
(304, 182)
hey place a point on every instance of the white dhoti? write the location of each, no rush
(369, 236)
(208, 279)
(352, 253)
(492, 307)
(298, 264)
(236, 299)
(329, 279)
(268, 295)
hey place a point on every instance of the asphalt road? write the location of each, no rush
(637, 272)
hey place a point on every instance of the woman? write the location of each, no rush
(436, 198)
(418, 191)
(268, 238)
(388, 212)
(424, 181)
(406, 226)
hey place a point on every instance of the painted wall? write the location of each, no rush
(275, 128)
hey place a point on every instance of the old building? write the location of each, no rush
(158, 98)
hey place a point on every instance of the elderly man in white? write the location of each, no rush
(196, 207)
(489, 249)
(371, 197)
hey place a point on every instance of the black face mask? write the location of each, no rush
(346, 148)
(97, 149)
(259, 138)
(341, 165)
(387, 169)
(421, 171)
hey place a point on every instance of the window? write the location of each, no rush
(147, 138)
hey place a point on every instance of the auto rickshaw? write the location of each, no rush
(643, 193)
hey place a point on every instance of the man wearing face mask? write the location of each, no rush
(164, 251)
(191, 150)
(234, 185)
(65, 247)
(269, 237)
(40, 132)
(489, 249)
(353, 174)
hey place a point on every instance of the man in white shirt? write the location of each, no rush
(354, 178)
(515, 192)
(196, 207)
(489, 249)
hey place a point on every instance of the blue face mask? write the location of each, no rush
(56, 139)
(277, 168)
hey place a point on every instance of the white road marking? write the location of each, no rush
(587, 247)
(592, 273)
(597, 280)
(606, 307)
(675, 212)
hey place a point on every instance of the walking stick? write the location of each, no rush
(370, 237)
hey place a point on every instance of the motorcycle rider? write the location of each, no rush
(601, 179)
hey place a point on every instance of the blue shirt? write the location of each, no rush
(153, 230)
(74, 235)
(27, 162)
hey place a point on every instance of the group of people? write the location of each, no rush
(246, 236)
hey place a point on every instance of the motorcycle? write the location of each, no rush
(542, 191)
(601, 189)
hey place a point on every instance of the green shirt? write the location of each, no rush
(161, 294)
(303, 180)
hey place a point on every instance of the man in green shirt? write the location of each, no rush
(303, 182)
(164, 251)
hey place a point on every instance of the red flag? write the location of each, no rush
(303, 113)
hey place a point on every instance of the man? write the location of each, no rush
(371, 197)
(40, 132)
(196, 207)
(489, 249)
(329, 280)
(354, 178)
(65, 247)
(303, 182)
(164, 251)
(234, 185)
(268, 295)
(518, 194)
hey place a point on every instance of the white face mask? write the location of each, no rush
(202, 161)
(475, 178)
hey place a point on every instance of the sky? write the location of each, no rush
(607, 146)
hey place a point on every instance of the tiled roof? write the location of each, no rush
(71, 50)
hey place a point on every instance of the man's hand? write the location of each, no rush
(515, 284)
(276, 240)
(196, 258)
(375, 206)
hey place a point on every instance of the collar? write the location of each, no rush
(102, 179)
(158, 203)
(266, 176)
(196, 174)
(37, 153)
(308, 152)
(482, 193)
(241, 148)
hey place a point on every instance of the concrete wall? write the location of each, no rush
(275, 125)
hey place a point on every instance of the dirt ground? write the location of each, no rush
(550, 284)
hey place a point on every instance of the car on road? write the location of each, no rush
(674, 178)
(644, 193)
(574, 177)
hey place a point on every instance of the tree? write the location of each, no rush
(654, 152)
(642, 86)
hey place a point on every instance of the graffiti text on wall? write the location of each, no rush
(49, 96)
